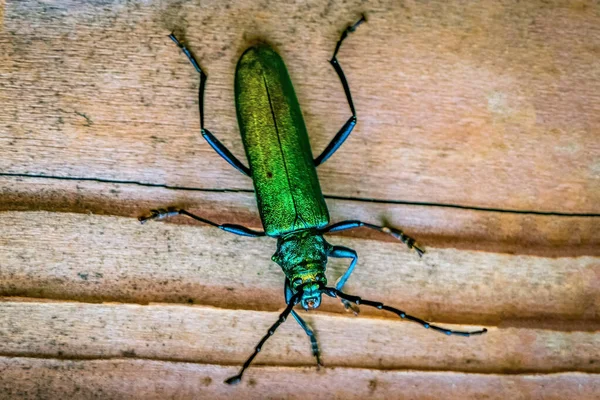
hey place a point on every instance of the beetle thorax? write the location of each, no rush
(302, 256)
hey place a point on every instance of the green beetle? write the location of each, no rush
(288, 193)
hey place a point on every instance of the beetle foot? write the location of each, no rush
(351, 307)
(158, 214)
(407, 240)
(419, 251)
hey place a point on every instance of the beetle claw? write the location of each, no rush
(152, 216)
(159, 214)
(419, 251)
(351, 307)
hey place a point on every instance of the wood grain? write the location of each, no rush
(437, 226)
(142, 379)
(211, 335)
(478, 134)
(94, 258)
(493, 104)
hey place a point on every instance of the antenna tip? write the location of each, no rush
(234, 380)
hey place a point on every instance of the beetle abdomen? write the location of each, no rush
(285, 179)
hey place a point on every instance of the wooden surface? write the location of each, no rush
(478, 134)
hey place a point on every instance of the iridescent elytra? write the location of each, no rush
(291, 205)
(274, 134)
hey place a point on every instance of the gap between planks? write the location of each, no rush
(211, 335)
(543, 235)
(138, 379)
(464, 121)
(103, 258)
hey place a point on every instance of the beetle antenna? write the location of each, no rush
(282, 317)
(333, 292)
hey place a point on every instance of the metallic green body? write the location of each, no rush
(303, 258)
(274, 134)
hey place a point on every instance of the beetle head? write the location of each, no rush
(303, 256)
(312, 287)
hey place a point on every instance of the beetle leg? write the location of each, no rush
(345, 252)
(210, 138)
(396, 233)
(311, 335)
(236, 229)
(345, 131)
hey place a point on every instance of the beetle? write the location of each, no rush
(291, 205)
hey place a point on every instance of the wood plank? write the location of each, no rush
(104, 258)
(212, 335)
(25, 378)
(490, 104)
(441, 227)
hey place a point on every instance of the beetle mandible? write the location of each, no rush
(288, 193)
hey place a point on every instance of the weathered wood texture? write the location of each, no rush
(87, 258)
(478, 134)
(126, 379)
(494, 104)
